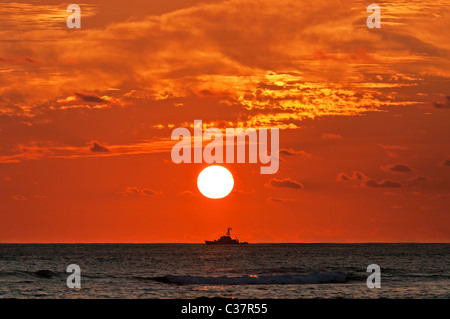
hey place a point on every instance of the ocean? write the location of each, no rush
(246, 271)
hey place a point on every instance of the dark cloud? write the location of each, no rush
(342, 177)
(444, 105)
(273, 87)
(383, 184)
(90, 97)
(136, 191)
(286, 152)
(279, 200)
(356, 176)
(401, 168)
(132, 191)
(97, 147)
(292, 152)
(148, 192)
(446, 162)
(416, 46)
(19, 197)
(367, 182)
(24, 59)
(284, 183)
(186, 193)
(359, 176)
(418, 179)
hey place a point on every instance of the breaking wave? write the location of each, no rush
(285, 279)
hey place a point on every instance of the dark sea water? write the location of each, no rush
(246, 271)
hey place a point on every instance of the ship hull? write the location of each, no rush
(225, 240)
(210, 242)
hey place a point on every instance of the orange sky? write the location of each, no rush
(86, 117)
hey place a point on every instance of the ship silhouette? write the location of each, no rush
(226, 240)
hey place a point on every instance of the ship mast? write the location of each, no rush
(228, 231)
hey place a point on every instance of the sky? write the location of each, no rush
(86, 117)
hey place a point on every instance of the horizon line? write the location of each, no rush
(202, 243)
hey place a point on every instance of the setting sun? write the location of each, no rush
(215, 182)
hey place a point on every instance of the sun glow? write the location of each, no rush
(215, 182)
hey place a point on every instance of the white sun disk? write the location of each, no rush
(215, 182)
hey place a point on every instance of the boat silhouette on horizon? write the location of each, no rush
(226, 240)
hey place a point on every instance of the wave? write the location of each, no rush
(285, 279)
(41, 273)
